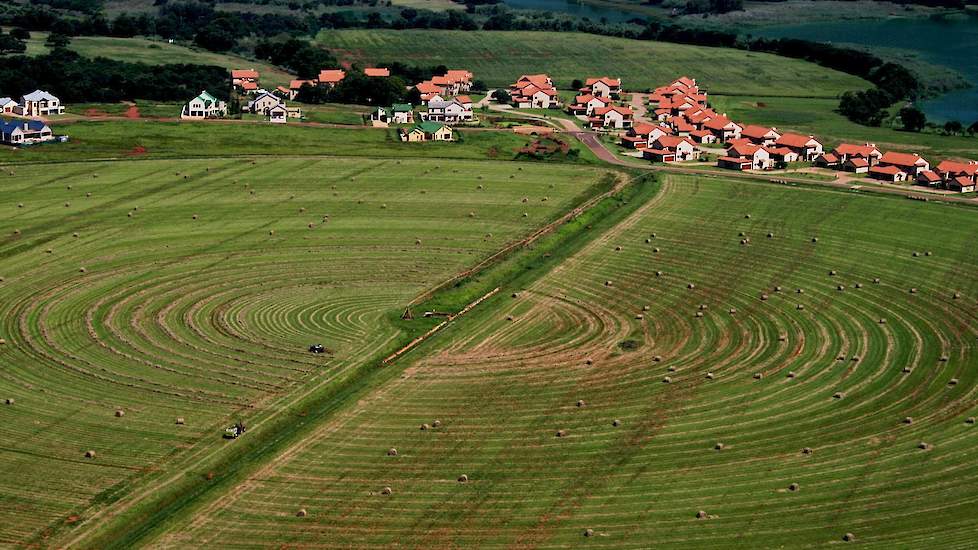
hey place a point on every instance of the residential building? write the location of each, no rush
(278, 114)
(428, 131)
(584, 105)
(703, 136)
(377, 72)
(827, 160)
(806, 147)
(760, 135)
(949, 170)
(39, 103)
(641, 134)
(612, 117)
(678, 148)
(296, 85)
(24, 132)
(534, 91)
(450, 111)
(7, 105)
(723, 128)
(331, 77)
(889, 172)
(204, 106)
(867, 151)
(602, 87)
(856, 165)
(746, 156)
(240, 77)
(263, 103)
(909, 163)
(428, 89)
(398, 113)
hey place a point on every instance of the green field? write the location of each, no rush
(499, 58)
(158, 52)
(190, 289)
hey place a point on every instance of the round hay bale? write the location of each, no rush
(3, 342)
(913, 290)
(764, 297)
(747, 216)
(386, 491)
(588, 362)
(8, 401)
(691, 286)
(840, 288)
(782, 338)
(924, 446)
(561, 433)
(794, 487)
(832, 273)
(129, 214)
(908, 420)
(808, 451)
(916, 254)
(709, 376)
(952, 382)
(647, 241)
(671, 368)
(20, 205)
(814, 239)
(655, 250)
(758, 376)
(970, 420)
(75, 234)
(424, 427)
(589, 532)
(607, 283)
(882, 320)
(89, 454)
(906, 370)
(180, 421)
(928, 253)
(392, 452)
(301, 513)
(741, 234)
(652, 235)
(799, 290)
(703, 307)
(876, 280)
(646, 308)
(580, 403)
(16, 231)
(770, 235)
(701, 515)
(791, 374)
(732, 310)
(525, 215)
(383, 206)
(841, 357)
(657, 358)
(743, 241)
(639, 316)
(858, 285)
(667, 380)
(616, 422)
(658, 274)
(956, 295)
(848, 537)
(67, 204)
(855, 358)
(777, 288)
(800, 307)
(195, 216)
(463, 478)
(699, 313)
(119, 413)
(417, 242)
(943, 359)
(81, 270)
(471, 214)
(617, 249)
(509, 317)
(312, 225)
(436, 424)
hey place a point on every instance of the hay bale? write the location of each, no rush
(81, 270)
(75, 234)
(671, 368)
(814, 239)
(8, 401)
(808, 451)
(709, 376)
(463, 478)
(646, 308)
(89, 454)
(667, 380)
(691, 286)
(859, 285)
(913, 290)
(732, 310)
(970, 420)
(747, 216)
(703, 307)
(906, 370)
(655, 250)
(525, 215)
(20, 205)
(876, 280)
(509, 317)
(952, 382)
(580, 403)
(658, 274)
(758, 375)
(944, 359)
(924, 446)
(647, 241)
(616, 422)
(652, 235)
(840, 288)
(794, 487)
(588, 362)
(561, 433)
(194, 216)
(800, 307)
(743, 241)
(799, 291)
(763, 297)
(741, 234)
(3, 342)
(392, 452)
(589, 532)
(436, 424)
(301, 513)
(701, 515)
(383, 206)
(928, 253)
(657, 358)
(956, 295)
(777, 288)
(699, 313)
(848, 537)
(386, 491)
(855, 358)
(791, 374)
(607, 283)
(916, 254)
(639, 316)
(908, 420)
(67, 204)
(471, 214)
(180, 421)
(770, 235)
(424, 427)
(119, 413)
(617, 249)
(782, 338)
(882, 320)
(832, 273)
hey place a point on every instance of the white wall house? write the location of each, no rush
(204, 106)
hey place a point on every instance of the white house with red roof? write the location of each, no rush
(703, 136)
(909, 163)
(679, 148)
(331, 77)
(827, 160)
(953, 175)
(746, 156)
(245, 79)
(867, 151)
(760, 135)
(611, 117)
(296, 85)
(584, 105)
(602, 87)
(806, 147)
(450, 111)
(888, 172)
(642, 134)
(723, 128)
(535, 91)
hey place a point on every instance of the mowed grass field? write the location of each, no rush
(191, 289)
(499, 58)
(675, 388)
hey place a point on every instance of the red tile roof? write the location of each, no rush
(927, 175)
(611, 82)
(244, 73)
(888, 170)
(828, 157)
(377, 71)
(902, 159)
(758, 132)
(795, 140)
(248, 85)
(428, 87)
(331, 76)
(856, 150)
(858, 162)
(968, 168)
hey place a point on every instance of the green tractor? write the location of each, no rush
(235, 431)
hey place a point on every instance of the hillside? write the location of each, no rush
(498, 58)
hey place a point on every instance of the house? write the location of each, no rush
(250, 87)
(278, 114)
(535, 91)
(888, 173)
(680, 125)
(454, 110)
(24, 132)
(827, 160)
(703, 136)
(39, 103)
(962, 184)
(699, 117)
(331, 77)
(7, 105)
(867, 151)
(723, 128)
(283, 92)
(428, 89)
(929, 178)
(782, 155)
(856, 165)
(377, 72)
(949, 170)
(240, 77)
(204, 106)
(613, 116)
(909, 163)
(263, 103)
(680, 148)
(746, 156)
(641, 134)
(584, 105)
(453, 82)
(296, 85)
(398, 113)
(602, 87)
(428, 131)
(760, 135)
(806, 147)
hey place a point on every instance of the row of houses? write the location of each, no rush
(36, 103)
(328, 78)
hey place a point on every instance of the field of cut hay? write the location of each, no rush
(147, 304)
(734, 365)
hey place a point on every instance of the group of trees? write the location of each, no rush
(299, 56)
(78, 79)
(13, 41)
(914, 120)
(358, 88)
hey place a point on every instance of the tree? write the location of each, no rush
(11, 44)
(57, 41)
(913, 119)
(220, 35)
(953, 127)
(577, 84)
(973, 129)
(501, 96)
(20, 34)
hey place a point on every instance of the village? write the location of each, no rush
(675, 125)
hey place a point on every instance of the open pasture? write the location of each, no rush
(499, 58)
(146, 304)
(670, 386)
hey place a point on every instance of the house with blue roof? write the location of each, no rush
(24, 132)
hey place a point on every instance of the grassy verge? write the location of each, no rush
(181, 499)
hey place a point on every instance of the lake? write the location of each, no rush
(949, 42)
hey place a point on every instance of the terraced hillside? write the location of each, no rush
(792, 365)
(498, 58)
(146, 304)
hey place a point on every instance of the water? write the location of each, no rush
(578, 9)
(949, 42)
